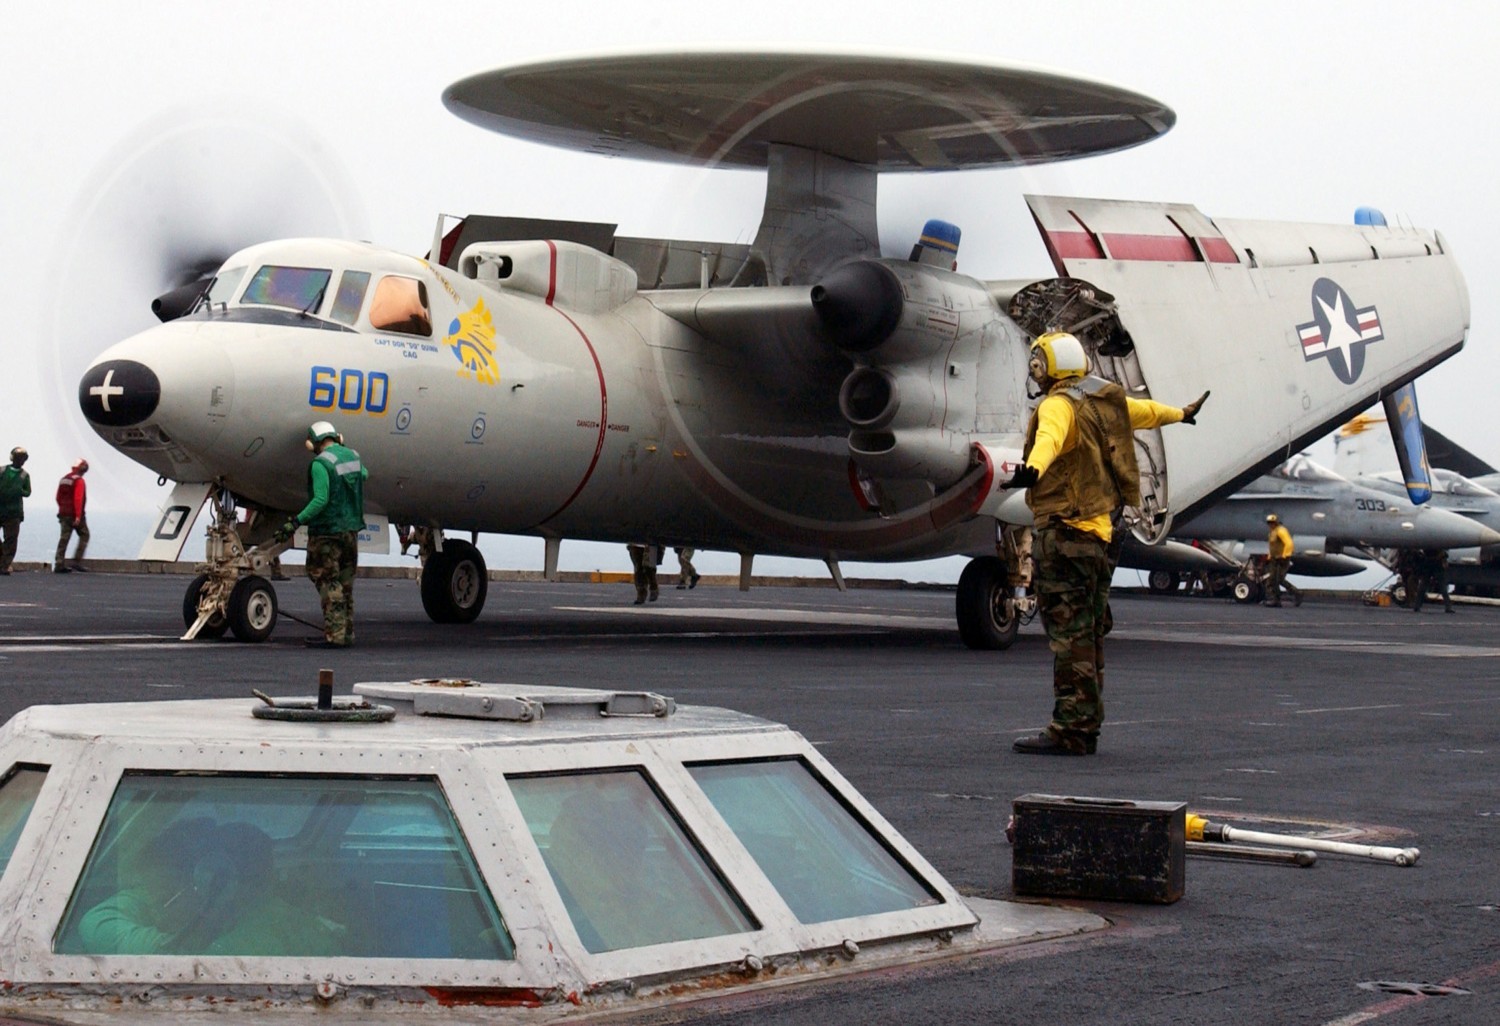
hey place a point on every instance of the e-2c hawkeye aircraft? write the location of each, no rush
(802, 395)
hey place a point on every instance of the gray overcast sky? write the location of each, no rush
(1294, 111)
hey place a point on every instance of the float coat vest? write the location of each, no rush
(1099, 474)
(345, 509)
(71, 492)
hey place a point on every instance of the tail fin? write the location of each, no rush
(1447, 454)
(1411, 449)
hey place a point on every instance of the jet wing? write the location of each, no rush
(1295, 327)
(1277, 496)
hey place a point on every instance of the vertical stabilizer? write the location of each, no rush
(1411, 449)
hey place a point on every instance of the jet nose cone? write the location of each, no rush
(118, 393)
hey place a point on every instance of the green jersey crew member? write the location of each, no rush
(334, 515)
(15, 487)
(1080, 468)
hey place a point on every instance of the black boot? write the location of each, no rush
(1045, 744)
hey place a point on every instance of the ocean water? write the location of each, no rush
(119, 534)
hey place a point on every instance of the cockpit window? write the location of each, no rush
(221, 289)
(400, 304)
(17, 796)
(350, 296)
(296, 288)
(1300, 468)
(281, 866)
(1457, 484)
(822, 859)
(627, 871)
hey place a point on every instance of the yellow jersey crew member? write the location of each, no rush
(1279, 543)
(334, 515)
(1079, 464)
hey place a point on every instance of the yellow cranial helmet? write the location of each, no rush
(1057, 355)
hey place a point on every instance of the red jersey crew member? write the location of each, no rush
(1081, 471)
(334, 515)
(72, 497)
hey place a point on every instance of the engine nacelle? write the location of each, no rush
(915, 333)
(894, 311)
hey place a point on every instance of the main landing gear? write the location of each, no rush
(455, 582)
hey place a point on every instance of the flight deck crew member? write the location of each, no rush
(15, 487)
(1279, 541)
(643, 560)
(72, 497)
(1080, 470)
(687, 576)
(334, 515)
(1431, 573)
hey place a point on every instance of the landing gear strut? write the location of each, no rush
(232, 591)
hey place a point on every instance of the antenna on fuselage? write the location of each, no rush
(435, 254)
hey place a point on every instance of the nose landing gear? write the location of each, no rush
(233, 591)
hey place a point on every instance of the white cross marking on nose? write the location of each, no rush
(107, 389)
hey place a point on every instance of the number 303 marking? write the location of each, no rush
(353, 391)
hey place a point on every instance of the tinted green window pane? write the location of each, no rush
(627, 872)
(297, 288)
(17, 796)
(350, 296)
(294, 866)
(823, 860)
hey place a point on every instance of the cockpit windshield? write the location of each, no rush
(1301, 468)
(295, 288)
(1457, 484)
(221, 289)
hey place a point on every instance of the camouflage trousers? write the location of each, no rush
(1276, 580)
(643, 571)
(67, 527)
(10, 536)
(331, 562)
(1073, 571)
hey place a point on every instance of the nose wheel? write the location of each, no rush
(252, 609)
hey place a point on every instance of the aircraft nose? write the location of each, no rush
(119, 393)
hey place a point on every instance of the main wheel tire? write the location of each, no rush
(216, 625)
(1163, 582)
(455, 582)
(252, 609)
(1245, 591)
(986, 613)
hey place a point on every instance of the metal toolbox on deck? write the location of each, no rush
(1107, 849)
